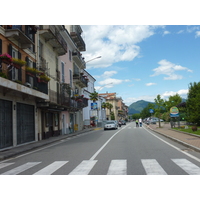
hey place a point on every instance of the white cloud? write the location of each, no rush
(136, 79)
(181, 31)
(169, 69)
(182, 92)
(149, 84)
(197, 34)
(113, 43)
(109, 73)
(166, 32)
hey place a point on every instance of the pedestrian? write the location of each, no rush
(136, 121)
(140, 121)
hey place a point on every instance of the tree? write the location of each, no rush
(172, 101)
(136, 116)
(94, 96)
(159, 106)
(193, 103)
(145, 112)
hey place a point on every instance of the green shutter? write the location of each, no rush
(0, 46)
(10, 50)
(19, 55)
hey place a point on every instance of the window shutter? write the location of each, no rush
(19, 55)
(34, 65)
(27, 61)
(10, 50)
(0, 46)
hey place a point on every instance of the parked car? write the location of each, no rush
(110, 125)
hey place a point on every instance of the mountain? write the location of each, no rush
(137, 106)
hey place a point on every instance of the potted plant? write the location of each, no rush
(30, 71)
(6, 58)
(18, 63)
(44, 78)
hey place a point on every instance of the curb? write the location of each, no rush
(37, 145)
(176, 140)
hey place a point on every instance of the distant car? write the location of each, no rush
(123, 122)
(110, 125)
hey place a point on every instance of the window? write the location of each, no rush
(63, 71)
(56, 119)
(70, 73)
(70, 55)
(0, 46)
(40, 49)
(14, 70)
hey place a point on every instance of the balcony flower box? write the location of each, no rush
(17, 63)
(43, 78)
(6, 58)
(31, 71)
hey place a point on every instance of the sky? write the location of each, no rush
(138, 62)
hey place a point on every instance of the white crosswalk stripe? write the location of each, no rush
(2, 165)
(117, 167)
(21, 168)
(187, 166)
(152, 167)
(51, 168)
(84, 168)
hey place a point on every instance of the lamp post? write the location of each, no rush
(90, 60)
(93, 59)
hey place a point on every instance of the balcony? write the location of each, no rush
(14, 81)
(75, 33)
(42, 64)
(79, 59)
(54, 38)
(80, 80)
(16, 32)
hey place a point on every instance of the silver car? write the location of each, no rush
(110, 125)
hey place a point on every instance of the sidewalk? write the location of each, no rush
(8, 153)
(190, 140)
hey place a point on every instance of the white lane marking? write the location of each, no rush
(51, 168)
(84, 168)
(2, 165)
(95, 155)
(191, 156)
(152, 167)
(187, 166)
(21, 168)
(117, 167)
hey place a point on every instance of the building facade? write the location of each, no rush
(19, 90)
(40, 94)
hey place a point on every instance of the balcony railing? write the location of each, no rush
(18, 75)
(75, 32)
(80, 80)
(79, 59)
(23, 34)
(52, 35)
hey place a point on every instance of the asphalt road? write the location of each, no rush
(125, 151)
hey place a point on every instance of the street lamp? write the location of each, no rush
(93, 59)
(104, 86)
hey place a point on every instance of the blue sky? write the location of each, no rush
(139, 62)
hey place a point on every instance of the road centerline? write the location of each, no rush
(102, 147)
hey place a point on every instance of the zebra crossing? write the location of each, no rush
(116, 167)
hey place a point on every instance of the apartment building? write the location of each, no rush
(93, 115)
(19, 90)
(42, 81)
(80, 81)
(119, 109)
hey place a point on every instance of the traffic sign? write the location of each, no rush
(151, 110)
